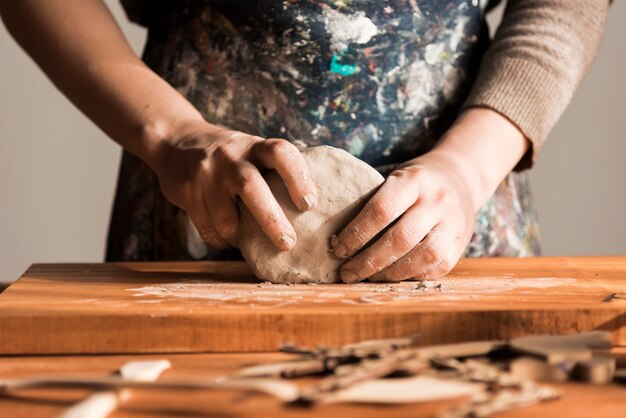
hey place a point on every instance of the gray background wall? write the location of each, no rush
(58, 171)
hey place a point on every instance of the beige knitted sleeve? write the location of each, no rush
(539, 55)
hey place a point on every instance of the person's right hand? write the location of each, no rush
(207, 168)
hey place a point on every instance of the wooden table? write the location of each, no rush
(209, 319)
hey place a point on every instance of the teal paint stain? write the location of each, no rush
(342, 69)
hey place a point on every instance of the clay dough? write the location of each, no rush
(344, 183)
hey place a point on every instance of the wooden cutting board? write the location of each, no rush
(220, 307)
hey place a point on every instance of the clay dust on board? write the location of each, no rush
(268, 295)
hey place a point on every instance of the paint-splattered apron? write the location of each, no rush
(381, 79)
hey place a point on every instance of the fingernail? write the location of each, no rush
(348, 276)
(308, 202)
(288, 240)
(339, 248)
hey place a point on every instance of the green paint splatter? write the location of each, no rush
(355, 146)
(342, 69)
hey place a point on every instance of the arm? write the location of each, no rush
(530, 72)
(538, 58)
(434, 198)
(201, 167)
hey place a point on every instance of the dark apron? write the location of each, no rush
(382, 80)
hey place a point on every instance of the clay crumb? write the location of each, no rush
(426, 285)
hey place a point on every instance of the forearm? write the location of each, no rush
(82, 50)
(541, 52)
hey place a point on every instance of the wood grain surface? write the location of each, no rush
(220, 307)
(578, 400)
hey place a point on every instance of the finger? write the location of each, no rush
(200, 218)
(287, 160)
(400, 239)
(395, 196)
(433, 257)
(224, 214)
(258, 198)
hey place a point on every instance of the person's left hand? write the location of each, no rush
(432, 199)
(433, 205)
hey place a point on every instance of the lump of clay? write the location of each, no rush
(344, 183)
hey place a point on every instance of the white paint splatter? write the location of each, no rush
(345, 29)
(433, 52)
(458, 33)
(421, 83)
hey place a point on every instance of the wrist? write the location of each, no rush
(158, 137)
(484, 147)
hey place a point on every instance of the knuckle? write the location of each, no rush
(406, 173)
(210, 237)
(396, 271)
(402, 238)
(408, 177)
(246, 180)
(222, 153)
(434, 272)
(227, 225)
(401, 271)
(278, 146)
(413, 173)
(202, 226)
(253, 139)
(427, 182)
(229, 220)
(206, 232)
(241, 137)
(445, 266)
(396, 175)
(436, 262)
(381, 210)
(369, 265)
(268, 221)
(432, 254)
(283, 150)
(446, 197)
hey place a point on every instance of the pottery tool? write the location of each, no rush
(490, 376)
(284, 391)
(101, 404)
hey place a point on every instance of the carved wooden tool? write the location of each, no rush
(319, 360)
(101, 404)
(282, 390)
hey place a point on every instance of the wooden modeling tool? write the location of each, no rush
(101, 404)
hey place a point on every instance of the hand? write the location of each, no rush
(206, 168)
(432, 199)
(435, 218)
